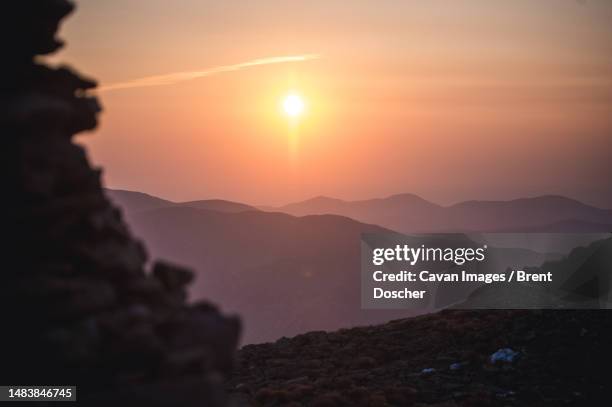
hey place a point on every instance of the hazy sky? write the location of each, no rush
(450, 100)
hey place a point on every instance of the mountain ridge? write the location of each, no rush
(410, 213)
(135, 201)
(284, 274)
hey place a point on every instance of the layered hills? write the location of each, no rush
(284, 274)
(409, 213)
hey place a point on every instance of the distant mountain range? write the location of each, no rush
(284, 274)
(409, 213)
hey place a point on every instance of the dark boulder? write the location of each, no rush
(77, 301)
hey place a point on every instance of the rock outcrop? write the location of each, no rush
(79, 305)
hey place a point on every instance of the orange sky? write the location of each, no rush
(450, 100)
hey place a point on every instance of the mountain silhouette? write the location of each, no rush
(409, 213)
(284, 274)
(134, 202)
(219, 205)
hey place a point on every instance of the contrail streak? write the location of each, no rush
(172, 78)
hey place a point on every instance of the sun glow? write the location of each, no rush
(293, 105)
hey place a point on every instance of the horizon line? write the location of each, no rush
(366, 199)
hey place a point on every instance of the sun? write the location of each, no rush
(293, 105)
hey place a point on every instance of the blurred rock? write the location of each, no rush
(174, 278)
(77, 301)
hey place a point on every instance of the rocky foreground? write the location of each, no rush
(79, 302)
(562, 358)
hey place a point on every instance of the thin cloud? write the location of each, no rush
(172, 78)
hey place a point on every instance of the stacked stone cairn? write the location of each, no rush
(80, 305)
